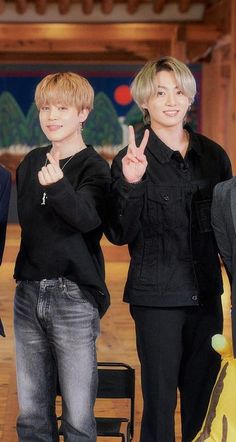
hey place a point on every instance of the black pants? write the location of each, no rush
(174, 348)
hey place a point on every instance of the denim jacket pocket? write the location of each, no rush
(163, 203)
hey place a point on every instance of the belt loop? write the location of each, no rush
(62, 282)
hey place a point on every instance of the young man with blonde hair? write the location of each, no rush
(59, 270)
(160, 207)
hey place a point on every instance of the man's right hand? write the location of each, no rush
(134, 163)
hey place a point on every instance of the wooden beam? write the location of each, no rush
(2, 6)
(198, 52)
(21, 6)
(64, 6)
(143, 40)
(107, 6)
(132, 6)
(158, 6)
(202, 33)
(218, 13)
(184, 5)
(40, 6)
(43, 37)
(72, 58)
(102, 32)
(87, 6)
(178, 43)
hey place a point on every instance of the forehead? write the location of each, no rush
(165, 79)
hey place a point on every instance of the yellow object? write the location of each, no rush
(220, 421)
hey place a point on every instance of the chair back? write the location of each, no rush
(117, 380)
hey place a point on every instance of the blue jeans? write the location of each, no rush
(55, 332)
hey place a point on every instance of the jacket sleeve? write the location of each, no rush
(219, 224)
(5, 190)
(81, 208)
(125, 206)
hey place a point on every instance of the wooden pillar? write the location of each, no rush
(178, 43)
(212, 100)
(231, 126)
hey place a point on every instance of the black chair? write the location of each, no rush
(116, 380)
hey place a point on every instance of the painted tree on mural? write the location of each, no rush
(103, 127)
(134, 116)
(13, 128)
(36, 136)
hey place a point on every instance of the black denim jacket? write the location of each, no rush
(166, 222)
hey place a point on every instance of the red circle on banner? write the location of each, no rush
(122, 95)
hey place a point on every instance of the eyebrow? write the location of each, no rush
(164, 87)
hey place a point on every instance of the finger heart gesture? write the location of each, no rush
(51, 172)
(134, 163)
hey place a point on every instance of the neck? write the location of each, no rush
(68, 148)
(174, 137)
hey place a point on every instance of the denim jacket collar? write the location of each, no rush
(163, 153)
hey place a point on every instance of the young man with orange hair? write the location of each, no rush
(60, 292)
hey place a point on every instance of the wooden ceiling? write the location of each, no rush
(107, 6)
(105, 41)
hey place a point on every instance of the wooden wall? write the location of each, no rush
(219, 91)
(211, 42)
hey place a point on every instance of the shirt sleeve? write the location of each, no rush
(5, 189)
(81, 208)
(125, 206)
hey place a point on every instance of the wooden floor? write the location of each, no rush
(116, 343)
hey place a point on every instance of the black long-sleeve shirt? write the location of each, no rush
(5, 191)
(62, 237)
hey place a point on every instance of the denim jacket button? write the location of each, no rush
(166, 197)
(194, 298)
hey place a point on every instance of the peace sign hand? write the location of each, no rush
(51, 173)
(134, 163)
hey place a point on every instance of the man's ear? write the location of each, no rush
(83, 115)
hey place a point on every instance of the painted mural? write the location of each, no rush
(106, 127)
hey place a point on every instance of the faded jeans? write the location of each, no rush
(55, 333)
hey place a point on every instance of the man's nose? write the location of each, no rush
(171, 99)
(53, 113)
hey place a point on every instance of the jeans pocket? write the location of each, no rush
(74, 293)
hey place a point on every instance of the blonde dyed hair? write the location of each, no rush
(143, 85)
(67, 88)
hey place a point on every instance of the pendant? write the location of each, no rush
(44, 197)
